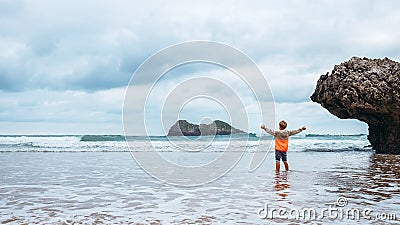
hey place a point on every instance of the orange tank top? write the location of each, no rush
(281, 145)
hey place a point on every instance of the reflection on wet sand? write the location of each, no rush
(380, 181)
(384, 174)
(282, 185)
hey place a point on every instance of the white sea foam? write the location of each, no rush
(115, 143)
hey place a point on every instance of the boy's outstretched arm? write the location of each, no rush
(293, 132)
(269, 131)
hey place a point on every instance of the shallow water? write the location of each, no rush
(110, 188)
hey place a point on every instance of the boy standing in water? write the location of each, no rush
(282, 142)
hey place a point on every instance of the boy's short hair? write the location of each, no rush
(282, 124)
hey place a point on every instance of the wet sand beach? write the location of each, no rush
(110, 188)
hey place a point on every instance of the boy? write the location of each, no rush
(282, 142)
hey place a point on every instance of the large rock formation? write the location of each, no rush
(368, 90)
(217, 127)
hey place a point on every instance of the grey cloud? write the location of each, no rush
(48, 48)
(112, 40)
(12, 77)
(42, 46)
(10, 7)
(55, 106)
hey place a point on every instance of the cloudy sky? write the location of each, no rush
(65, 65)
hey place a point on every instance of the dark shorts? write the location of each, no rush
(280, 155)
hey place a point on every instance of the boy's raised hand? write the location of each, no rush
(304, 127)
(262, 126)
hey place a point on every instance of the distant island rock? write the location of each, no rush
(367, 90)
(217, 127)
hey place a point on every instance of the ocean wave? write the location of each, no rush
(95, 138)
(102, 138)
(250, 150)
(335, 135)
(22, 144)
(116, 143)
(59, 150)
(350, 149)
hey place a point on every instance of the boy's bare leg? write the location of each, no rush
(277, 165)
(286, 166)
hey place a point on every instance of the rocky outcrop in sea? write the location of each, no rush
(367, 90)
(217, 127)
